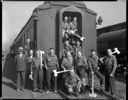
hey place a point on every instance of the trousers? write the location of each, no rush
(110, 83)
(99, 75)
(20, 79)
(37, 75)
(50, 79)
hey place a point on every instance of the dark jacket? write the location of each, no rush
(20, 62)
(110, 64)
(67, 63)
(81, 62)
(93, 62)
(52, 62)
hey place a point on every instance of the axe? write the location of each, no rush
(115, 51)
(56, 73)
(73, 32)
(41, 52)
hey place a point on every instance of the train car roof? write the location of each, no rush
(113, 35)
(49, 4)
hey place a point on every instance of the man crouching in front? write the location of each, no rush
(73, 83)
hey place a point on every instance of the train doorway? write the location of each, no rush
(70, 26)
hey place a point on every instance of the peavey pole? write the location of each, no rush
(92, 94)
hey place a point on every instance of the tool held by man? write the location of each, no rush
(115, 51)
(41, 53)
(92, 94)
(56, 73)
(73, 32)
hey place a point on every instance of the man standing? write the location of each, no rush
(67, 47)
(51, 64)
(81, 67)
(67, 62)
(77, 48)
(20, 62)
(93, 62)
(37, 71)
(110, 68)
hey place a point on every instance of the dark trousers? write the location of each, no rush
(40, 73)
(37, 75)
(50, 78)
(99, 75)
(110, 83)
(20, 79)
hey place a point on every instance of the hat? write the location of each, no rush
(20, 49)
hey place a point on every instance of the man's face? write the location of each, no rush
(93, 53)
(65, 18)
(109, 52)
(68, 54)
(31, 52)
(78, 43)
(38, 53)
(79, 54)
(75, 19)
(67, 43)
(20, 52)
(52, 52)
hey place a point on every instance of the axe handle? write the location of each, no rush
(62, 71)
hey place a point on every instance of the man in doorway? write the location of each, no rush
(67, 47)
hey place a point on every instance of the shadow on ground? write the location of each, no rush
(9, 70)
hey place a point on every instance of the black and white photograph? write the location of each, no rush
(64, 50)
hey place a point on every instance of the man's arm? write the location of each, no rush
(15, 60)
(45, 62)
(31, 65)
(90, 64)
(85, 62)
(62, 64)
(57, 63)
(114, 65)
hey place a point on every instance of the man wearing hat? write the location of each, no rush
(20, 62)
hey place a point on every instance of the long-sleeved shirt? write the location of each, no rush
(110, 64)
(93, 62)
(20, 62)
(67, 63)
(67, 48)
(51, 61)
(81, 62)
(36, 63)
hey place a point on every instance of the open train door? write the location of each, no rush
(70, 11)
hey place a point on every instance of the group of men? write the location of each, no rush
(80, 67)
(70, 29)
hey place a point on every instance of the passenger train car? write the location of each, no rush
(44, 26)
